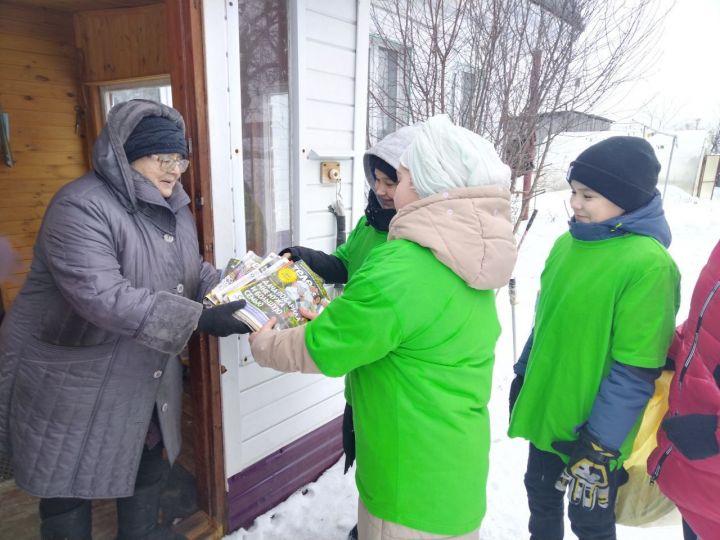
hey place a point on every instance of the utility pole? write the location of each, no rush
(568, 12)
(533, 111)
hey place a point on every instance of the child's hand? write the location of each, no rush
(310, 315)
(266, 328)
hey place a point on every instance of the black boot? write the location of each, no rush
(138, 515)
(65, 519)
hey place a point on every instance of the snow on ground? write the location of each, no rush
(326, 509)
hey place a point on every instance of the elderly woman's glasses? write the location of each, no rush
(168, 163)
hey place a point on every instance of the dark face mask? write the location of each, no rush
(376, 215)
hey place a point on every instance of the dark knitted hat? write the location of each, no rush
(624, 170)
(384, 166)
(155, 135)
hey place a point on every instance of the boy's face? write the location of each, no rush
(384, 189)
(591, 207)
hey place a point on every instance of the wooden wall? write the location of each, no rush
(51, 63)
(39, 89)
(118, 44)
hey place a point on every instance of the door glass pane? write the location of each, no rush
(265, 124)
(159, 90)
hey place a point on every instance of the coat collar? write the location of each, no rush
(648, 220)
(467, 229)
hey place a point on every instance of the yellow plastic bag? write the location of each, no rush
(638, 501)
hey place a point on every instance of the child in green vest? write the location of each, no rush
(415, 332)
(605, 317)
(380, 163)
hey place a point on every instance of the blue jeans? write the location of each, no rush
(547, 503)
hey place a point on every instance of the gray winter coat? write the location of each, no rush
(91, 343)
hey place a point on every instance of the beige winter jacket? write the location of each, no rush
(467, 229)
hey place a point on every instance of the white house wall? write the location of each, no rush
(328, 94)
(264, 410)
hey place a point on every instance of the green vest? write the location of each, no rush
(363, 238)
(600, 301)
(418, 345)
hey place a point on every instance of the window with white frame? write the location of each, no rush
(153, 89)
(265, 104)
(465, 82)
(385, 97)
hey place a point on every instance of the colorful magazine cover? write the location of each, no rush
(234, 270)
(272, 287)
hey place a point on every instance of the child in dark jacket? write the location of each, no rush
(686, 462)
(605, 316)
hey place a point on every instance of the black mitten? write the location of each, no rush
(348, 434)
(220, 321)
(328, 267)
(515, 387)
(693, 434)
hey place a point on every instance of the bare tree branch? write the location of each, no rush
(473, 59)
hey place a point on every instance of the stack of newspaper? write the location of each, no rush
(272, 287)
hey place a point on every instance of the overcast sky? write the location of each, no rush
(683, 87)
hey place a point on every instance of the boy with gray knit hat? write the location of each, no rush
(604, 320)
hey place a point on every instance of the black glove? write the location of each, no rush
(220, 321)
(328, 267)
(348, 434)
(587, 474)
(693, 434)
(515, 388)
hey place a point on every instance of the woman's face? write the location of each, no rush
(384, 189)
(162, 170)
(405, 192)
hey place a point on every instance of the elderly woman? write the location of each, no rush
(90, 381)
(415, 331)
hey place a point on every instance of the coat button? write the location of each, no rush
(168, 237)
(180, 288)
(164, 407)
(157, 374)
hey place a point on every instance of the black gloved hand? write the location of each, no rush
(220, 321)
(348, 435)
(693, 434)
(293, 252)
(587, 474)
(328, 267)
(515, 387)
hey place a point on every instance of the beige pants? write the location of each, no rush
(372, 528)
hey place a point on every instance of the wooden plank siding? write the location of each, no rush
(329, 102)
(122, 43)
(82, 5)
(118, 46)
(39, 90)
